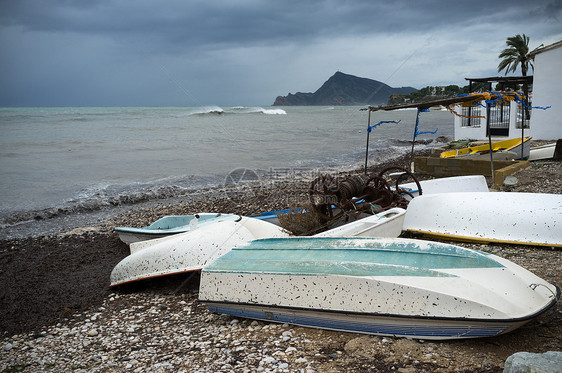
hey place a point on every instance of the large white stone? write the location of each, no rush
(526, 362)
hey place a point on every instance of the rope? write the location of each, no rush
(488, 97)
(463, 116)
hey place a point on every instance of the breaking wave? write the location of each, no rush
(217, 110)
(106, 196)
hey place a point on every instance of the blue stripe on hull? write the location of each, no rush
(381, 326)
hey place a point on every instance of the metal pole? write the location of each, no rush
(523, 129)
(414, 139)
(490, 140)
(470, 107)
(367, 147)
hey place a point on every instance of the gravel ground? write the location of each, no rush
(57, 313)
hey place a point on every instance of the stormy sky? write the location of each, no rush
(247, 52)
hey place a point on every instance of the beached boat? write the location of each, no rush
(542, 152)
(384, 224)
(271, 216)
(189, 251)
(393, 287)
(518, 218)
(470, 183)
(171, 224)
(174, 224)
(503, 150)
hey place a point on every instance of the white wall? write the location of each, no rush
(547, 91)
(479, 133)
(470, 133)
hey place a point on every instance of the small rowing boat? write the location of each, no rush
(171, 224)
(516, 218)
(542, 152)
(503, 150)
(453, 184)
(384, 224)
(271, 216)
(392, 287)
(189, 251)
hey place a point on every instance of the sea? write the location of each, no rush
(62, 168)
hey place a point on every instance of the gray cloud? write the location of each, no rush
(152, 52)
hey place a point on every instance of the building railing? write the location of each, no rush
(499, 116)
(468, 112)
(523, 112)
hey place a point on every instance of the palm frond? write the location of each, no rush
(515, 54)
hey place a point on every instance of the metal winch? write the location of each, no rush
(333, 198)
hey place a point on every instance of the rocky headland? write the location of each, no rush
(344, 89)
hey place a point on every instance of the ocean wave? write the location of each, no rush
(254, 110)
(104, 196)
(217, 110)
(273, 111)
(207, 110)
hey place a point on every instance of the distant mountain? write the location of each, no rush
(344, 89)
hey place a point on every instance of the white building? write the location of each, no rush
(506, 121)
(547, 85)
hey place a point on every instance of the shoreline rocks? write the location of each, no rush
(160, 326)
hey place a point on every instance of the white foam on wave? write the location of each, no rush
(207, 110)
(204, 110)
(256, 109)
(274, 111)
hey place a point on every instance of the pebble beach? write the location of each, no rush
(59, 315)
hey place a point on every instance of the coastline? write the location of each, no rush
(55, 294)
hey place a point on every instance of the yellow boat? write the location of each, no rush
(503, 150)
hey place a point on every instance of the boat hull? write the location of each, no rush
(515, 218)
(542, 152)
(503, 150)
(384, 224)
(383, 286)
(189, 251)
(453, 184)
(420, 328)
(170, 225)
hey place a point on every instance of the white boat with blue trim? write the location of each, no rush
(171, 224)
(189, 251)
(382, 286)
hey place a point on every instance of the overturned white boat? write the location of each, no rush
(453, 184)
(517, 218)
(384, 224)
(392, 287)
(189, 251)
(542, 152)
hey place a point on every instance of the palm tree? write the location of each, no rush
(516, 54)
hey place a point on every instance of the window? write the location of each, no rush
(471, 112)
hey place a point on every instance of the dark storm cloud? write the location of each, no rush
(121, 51)
(241, 22)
